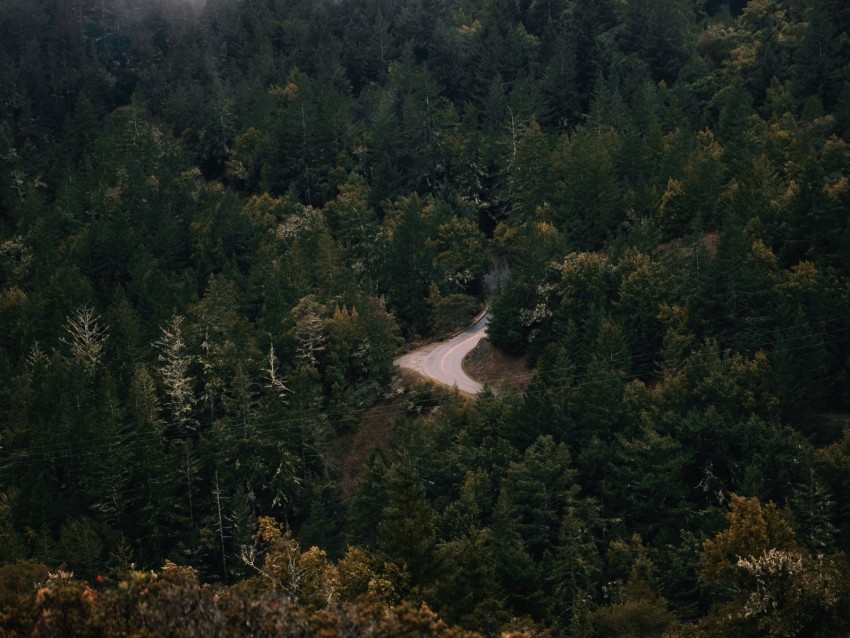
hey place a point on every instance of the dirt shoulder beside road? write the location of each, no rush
(490, 367)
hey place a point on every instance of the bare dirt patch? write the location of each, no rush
(491, 367)
(413, 395)
(374, 433)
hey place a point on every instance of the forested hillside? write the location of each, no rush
(220, 222)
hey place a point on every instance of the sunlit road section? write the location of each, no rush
(443, 362)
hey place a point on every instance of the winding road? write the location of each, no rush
(443, 362)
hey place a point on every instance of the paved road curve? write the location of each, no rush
(442, 362)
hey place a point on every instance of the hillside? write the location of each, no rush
(222, 221)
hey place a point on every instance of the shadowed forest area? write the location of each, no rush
(220, 222)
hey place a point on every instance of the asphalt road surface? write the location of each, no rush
(443, 361)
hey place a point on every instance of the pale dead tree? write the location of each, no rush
(174, 372)
(274, 381)
(250, 556)
(285, 570)
(18, 183)
(220, 525)
(213, 384)
(309, 331)
(36, 356)
(86, 337)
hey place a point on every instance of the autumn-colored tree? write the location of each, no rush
(764, 581)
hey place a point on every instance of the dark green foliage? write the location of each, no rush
(452, 312)
(658, 32)
(218, 221)
(534, 492)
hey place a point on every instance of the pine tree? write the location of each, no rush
(641, 613)
(576, 562)
(538, 488)
(814, 512)
(309, 331)
(86, 337)
(175, 361)
(529, 169)
(406, 526)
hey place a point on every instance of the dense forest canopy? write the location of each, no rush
(221, 221)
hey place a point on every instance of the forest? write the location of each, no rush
(222, 221)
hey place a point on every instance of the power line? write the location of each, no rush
(283, 419)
